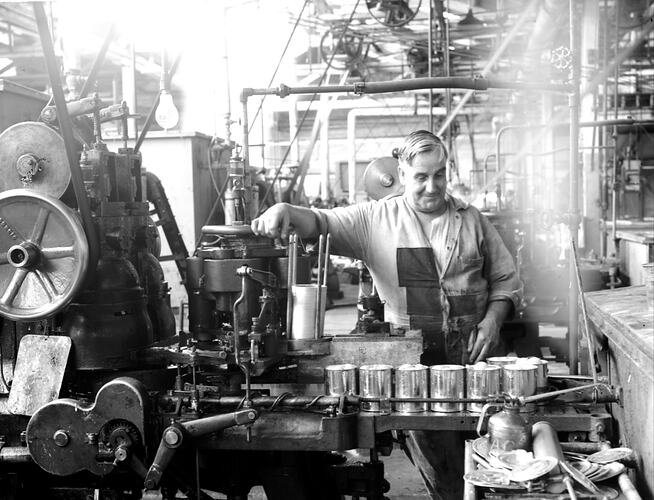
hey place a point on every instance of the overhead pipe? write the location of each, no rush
(452, 82)
(66, 129)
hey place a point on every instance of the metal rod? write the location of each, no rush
(97, 63)
(551, 395)
(150, 118)
(584, 314)
(316, 334)
(290, 283)
(326, 264)
(66, 129)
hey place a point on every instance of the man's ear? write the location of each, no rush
(401, 173)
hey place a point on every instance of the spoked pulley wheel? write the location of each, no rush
(44, 255)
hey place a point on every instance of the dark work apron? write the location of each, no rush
(443, 341)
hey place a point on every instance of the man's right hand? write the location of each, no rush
(274, 222)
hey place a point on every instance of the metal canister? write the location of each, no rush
(411, 382)
(340, 379)
(501, 361)
(482, 381)
(375, 381)
(447, 381)
(519, 380)
(541, 372)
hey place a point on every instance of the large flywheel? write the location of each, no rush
(33, 156)
(44, 255)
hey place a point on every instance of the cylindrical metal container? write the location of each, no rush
(501, 361)
(304, 311)
(340, 379)
(545, 443)
(375, 381)
(541, 372)
(411, 382)
(519, 380)
(483, 381)
(447, 381)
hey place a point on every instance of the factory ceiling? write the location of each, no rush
(382, 40)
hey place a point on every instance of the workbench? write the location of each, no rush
(620, 318)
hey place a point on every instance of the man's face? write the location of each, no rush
(425, 182)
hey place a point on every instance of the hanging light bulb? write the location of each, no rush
(166, 115)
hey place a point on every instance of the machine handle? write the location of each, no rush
(482, 417)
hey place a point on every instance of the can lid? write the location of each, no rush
(411, 367)
(346, 366)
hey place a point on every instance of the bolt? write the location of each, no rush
(120, 454)
(252, 415)
(61, 438)
(171, 437)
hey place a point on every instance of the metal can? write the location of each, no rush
(340, 379)
(375, 381)
(519, 380)
(411, 382)
(447, 381)
(482, 381)
(501, 361)
(541, 372)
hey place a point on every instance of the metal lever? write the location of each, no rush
(173, 437)
(263, 277)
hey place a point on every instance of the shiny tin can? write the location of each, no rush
(541, 372)
(482, 381)
(340, 379)
(519, 380)
(411, 382)
(501, 361)
(447, 381)
(375, 381)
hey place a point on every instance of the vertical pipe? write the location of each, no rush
(324, 157)
(245, 138)
(604, 142)
(448, 92)
(430, 68)
(616, 74)
(573, 216)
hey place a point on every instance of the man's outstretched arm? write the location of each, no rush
(278, 219)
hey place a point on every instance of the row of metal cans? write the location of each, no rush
(517, 377)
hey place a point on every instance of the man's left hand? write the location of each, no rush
(485, 341)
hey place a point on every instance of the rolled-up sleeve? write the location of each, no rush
(349, 228)
(503, 280)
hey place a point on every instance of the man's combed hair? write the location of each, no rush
(420, 141)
